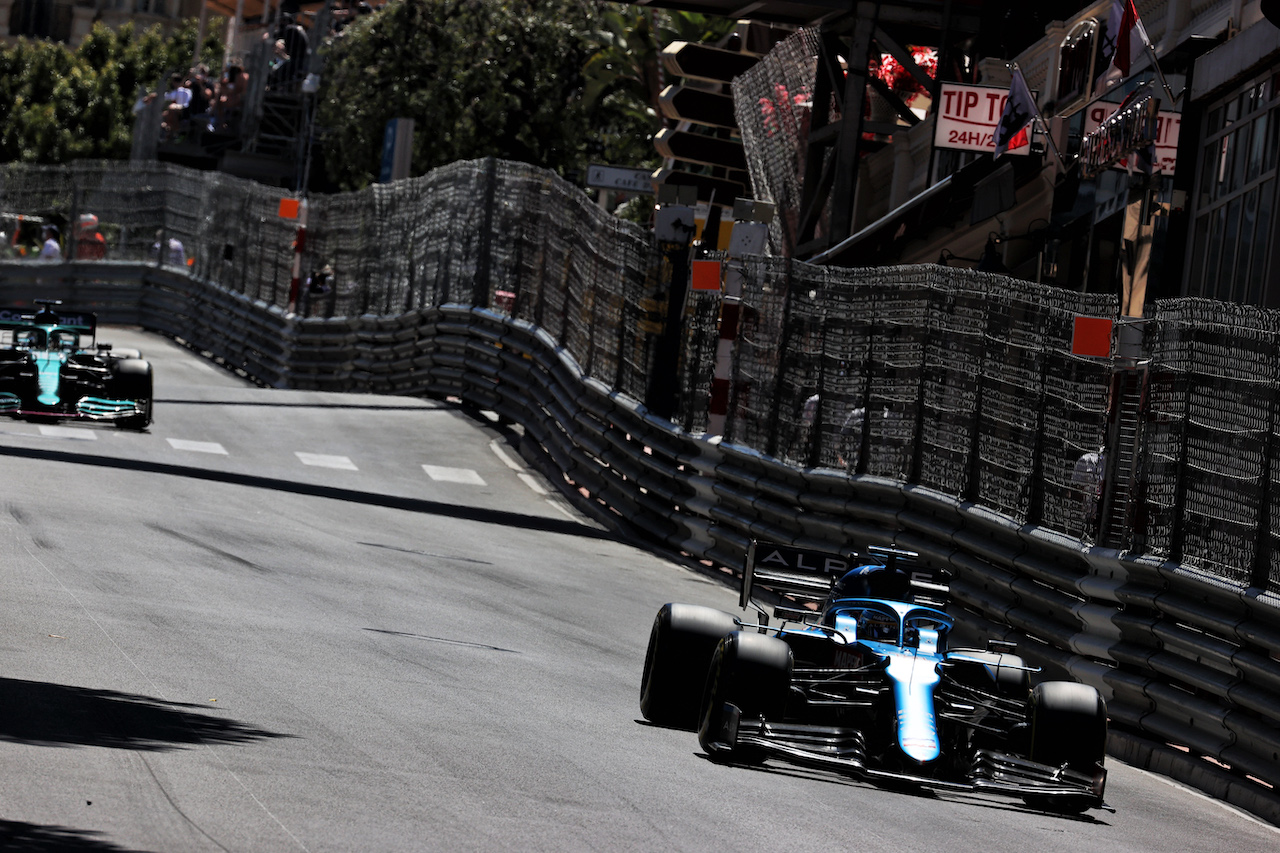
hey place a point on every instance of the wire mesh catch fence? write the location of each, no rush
(958, 381)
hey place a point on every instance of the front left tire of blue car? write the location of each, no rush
(749, 679)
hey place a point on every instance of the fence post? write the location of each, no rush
(673, 229)
(480, 294)
(1262, 547)
(750, 231)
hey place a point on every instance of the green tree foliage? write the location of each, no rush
(626, 64)
(504, 78)
(61, 105)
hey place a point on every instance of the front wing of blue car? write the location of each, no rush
(842, 749)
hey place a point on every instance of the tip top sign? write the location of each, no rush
(968, 118)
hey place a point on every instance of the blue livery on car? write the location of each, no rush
(861, 676)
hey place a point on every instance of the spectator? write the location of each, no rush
(1089, 476)
(278, 68)
(319, 282)
(849, 447)
(295, 45)
(229, 98)
(200, 111)
(342, 15)
(90, 244)
(176, 254)
(51, 250)
(176, 101)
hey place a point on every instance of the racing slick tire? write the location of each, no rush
(133, 382)
(749, 678)
(683, 639)
(1068, 726)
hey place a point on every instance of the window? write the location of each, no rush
(1233, 228)
(41, 19)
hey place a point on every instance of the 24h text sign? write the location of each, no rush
(968, 117)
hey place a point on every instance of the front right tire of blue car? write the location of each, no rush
(681, 643)
(1068, 727)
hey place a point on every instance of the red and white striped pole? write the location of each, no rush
(718, 408)
(299, 209)
(748, 238)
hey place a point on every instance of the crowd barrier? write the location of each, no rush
(1172, 650)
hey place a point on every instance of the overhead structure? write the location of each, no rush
(838, 138)
(703, 142)
(801, 14)
(855, 36)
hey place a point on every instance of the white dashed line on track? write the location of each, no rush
(320, 460)
(466, 476)
(77, 433)
(502, 454)
(197, 446)
(532, 482)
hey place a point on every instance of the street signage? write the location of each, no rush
(620, 178)
(968, 117)
(700, 148)
(1168, 124)
(1091, 336)
(705, 275)
(1120, 136)
(683, 103)
(704, 62)
(397, 150)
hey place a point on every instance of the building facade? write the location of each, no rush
(69, 21)
(1193, 213)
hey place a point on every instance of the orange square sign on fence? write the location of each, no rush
(288, 208)
(1092, 336)
(705, 275)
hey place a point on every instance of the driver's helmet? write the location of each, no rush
(872, 581)
(877, 625)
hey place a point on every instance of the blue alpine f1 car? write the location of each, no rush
(52, 368)
(859, 676)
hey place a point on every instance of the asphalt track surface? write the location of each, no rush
(263, 625)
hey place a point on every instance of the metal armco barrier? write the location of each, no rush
(1173, 651)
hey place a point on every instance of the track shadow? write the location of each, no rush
(33, 838)
(44, 714)
(563, 527)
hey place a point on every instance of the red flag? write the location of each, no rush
(1119, 44)
(1019, 110)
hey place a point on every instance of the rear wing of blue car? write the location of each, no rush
(803, 578)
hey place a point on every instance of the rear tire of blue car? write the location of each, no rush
(752, 673)
(683, 639)
(1068, 726)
